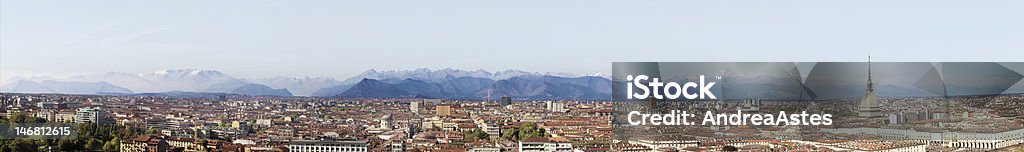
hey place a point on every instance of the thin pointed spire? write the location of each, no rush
(870, 84)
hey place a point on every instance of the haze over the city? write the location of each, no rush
(340, 39)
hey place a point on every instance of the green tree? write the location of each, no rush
(480, 134)
(22, 145)
(112, 145)
(91, 137)
(19, 117)
(510, 134)
(529, 129)
(474, 135)
(93, 144)
(68, 144)
(153, 131)
(523, 131)
(468, 136)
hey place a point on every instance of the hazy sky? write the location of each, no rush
(255, 39)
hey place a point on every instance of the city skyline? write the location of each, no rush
(504, 76)
(341, 39)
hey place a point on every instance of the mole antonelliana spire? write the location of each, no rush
(868, 107)
(870, 85)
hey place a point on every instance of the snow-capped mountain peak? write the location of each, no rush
(188, 73)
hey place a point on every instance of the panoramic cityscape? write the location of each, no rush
(456, 110)
(511, 76)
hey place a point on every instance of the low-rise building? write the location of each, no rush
(327, 146)
(144, 143)
(540, 144)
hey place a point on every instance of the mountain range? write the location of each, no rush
(69, 87)
(448, 73)
(525, 87)
(418, 83)
(186, 80)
